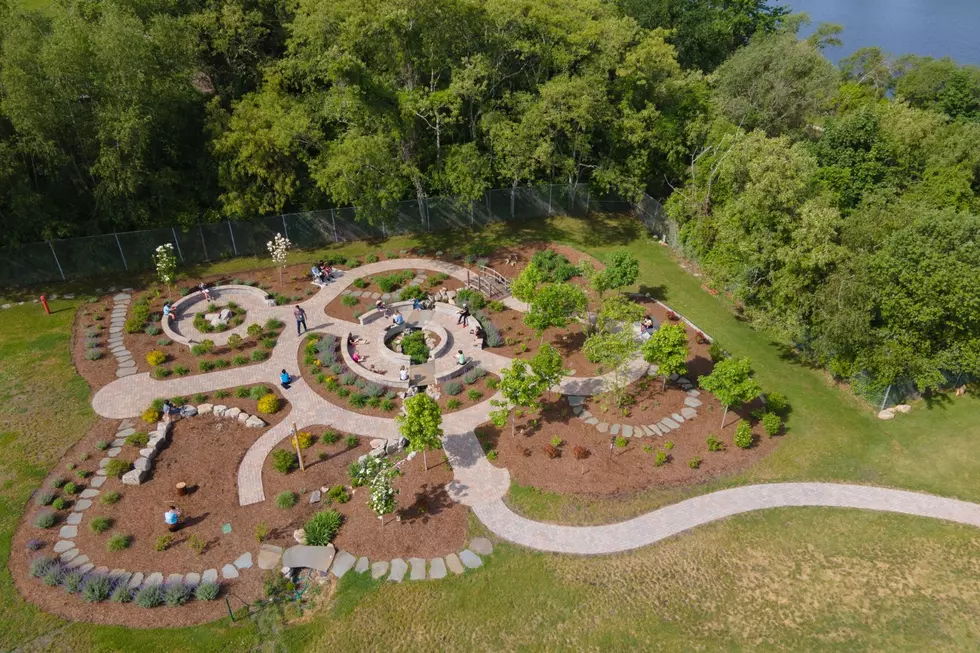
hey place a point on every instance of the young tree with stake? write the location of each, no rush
(731, 381)
(667, 349)
(522, 388)
(554, 305)
(547, 366)
(421, 425)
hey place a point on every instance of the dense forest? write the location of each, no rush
(837, 205)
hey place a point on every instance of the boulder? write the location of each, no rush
(254, 422)
(902, 408)
(888, 413)
(134, 477)
(203, 409)
(188, 411)
(141, 464)
(243, 418)
(232, 413)
(300, 536)
(218, 410)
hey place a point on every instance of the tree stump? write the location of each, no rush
(181, 489)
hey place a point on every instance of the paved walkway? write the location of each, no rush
(665, 522)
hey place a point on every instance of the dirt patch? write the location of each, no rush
(357, 306)
(427, 522)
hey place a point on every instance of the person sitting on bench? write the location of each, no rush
(317, 275)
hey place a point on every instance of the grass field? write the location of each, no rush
(792, 579)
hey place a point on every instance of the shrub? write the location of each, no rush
(57, 482)
(165, 342)
(240, 359)
(349, 378)
(257, 392)
(695, 462)
(181, 370)
(322, 527)
(714, 444)
(207, 591)
(122, 594)
(453, 388)
(205, 366)
(269, 343)
(156, 357)
(358, 400)
(83, 474)
(286, 500)
(550, 451)
(437, 279)
(234, 341)
(97, 589)
(771, 424)
(475, 299)
(150, 596)
(110, 498)
(99, 524)
(221, 394)
(471, 377)
(70, 488)
(72, 581)
(492, 454)
(660, 458)
(717, 352)
(453, 404)
(329, 437)
(203, 347)
(177, 594)
(117, 467)
(139, 439)
(343, 392)
(118, 543)
(777, 403)
(373, 389)
(243, 393)
(151, 415)
(221, 364)
(41, 565)
(621, 442)
(668, 445)
(371, 258)
(474, 394)
(93, 354)
(305, 439)
(162, 543)
(53, 576)
(59, 504)
(349, 300)
(411, 292)
(493, 383)
(351, 441)
(338, 493)
(43, 498)
(413, 345)
(101, 445)
(259, 355)
(556, 441)
(284, 461)
(197, 544)
(34, 544)
(268, 404)
(133, 325)
(152, 330)
(580, 453)
(361, 283)
(272, 324)
(254, 330)
(743, 435)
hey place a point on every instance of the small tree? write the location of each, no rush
(667, 349)
(526, 283)
(422, 424)
(621, 272)
(166, 265)
(553, 305)
(382, 498)
(522, 388)
(731, 381)
(547, 366)
(278, 248)
(613, 350)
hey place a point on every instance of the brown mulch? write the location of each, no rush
(607, 471)
(524, 342)
(428, 522)
(338, 310)
(98, 315)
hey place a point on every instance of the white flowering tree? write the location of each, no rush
(278, 248)
(166, 265)
(382, 499)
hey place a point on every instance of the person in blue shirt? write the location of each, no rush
(172, 518)
(167, 312)
(284, 379)
(398, 319)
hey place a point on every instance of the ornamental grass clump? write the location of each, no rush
(322, 527)
(150, 596)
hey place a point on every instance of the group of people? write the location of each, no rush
(647, 327)
(322, 273)
(168, 310)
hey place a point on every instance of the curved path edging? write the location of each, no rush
(679, 517)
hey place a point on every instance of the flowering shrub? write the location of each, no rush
(268, 404)
(166, 264)
(155, 357)
(278, 249)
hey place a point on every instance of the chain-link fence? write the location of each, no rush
(76, 258)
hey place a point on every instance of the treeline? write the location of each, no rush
(123, 114)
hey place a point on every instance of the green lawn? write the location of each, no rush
(792, 579)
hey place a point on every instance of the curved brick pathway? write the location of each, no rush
(665, 522)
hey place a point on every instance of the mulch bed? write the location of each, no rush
(428, 522)
(524, 342)
(204, 453)
(95, 315)
(607, 471)
(339, 310)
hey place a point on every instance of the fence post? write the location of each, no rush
(512, 199)
(204, 243)
(233, 245)
(285, 229)
(549, 199)
(333, 219)
(472, 203)
(428, 217)
(119, 245)
(587, 196)
(885, 400)
(177, 243)
(57, 262)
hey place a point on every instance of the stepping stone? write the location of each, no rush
(125, 433)
(175, 579)
(363, 564)
(315, 496)
(470, 559)
(97, 481)
(124, 360)
(121, 576)
(129, 363)
(670, 424)
(209, 576)
(418, 568)
(78, 562)
(74, 519)
(244, 561)
(102, 571)
(101, 472)
(437, 568)
(67, 532)
(229, 572)
(113, 452)
(118, 298)
(481, 545)
(654, 429)
(688, 412)
(693, 393)
(135, 580)
(87, 567)
(63, 545)
(269, 556)
(118, 442)
(602, 427)
(314, 557)
(192, 579)
(68, 556)
(104, 462)
(585, 415)
(379, 569)
(89, 494)
(156, 578)
(342, 563)
(614, 429)
(627, 431)
(577, 410)
(677, 418)
(692, 402)
(575, 400)
(127, 371)
(592, 420)
(375, 295)
(398, 569)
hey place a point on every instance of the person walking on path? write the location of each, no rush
(464, 315)
(300, 316)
